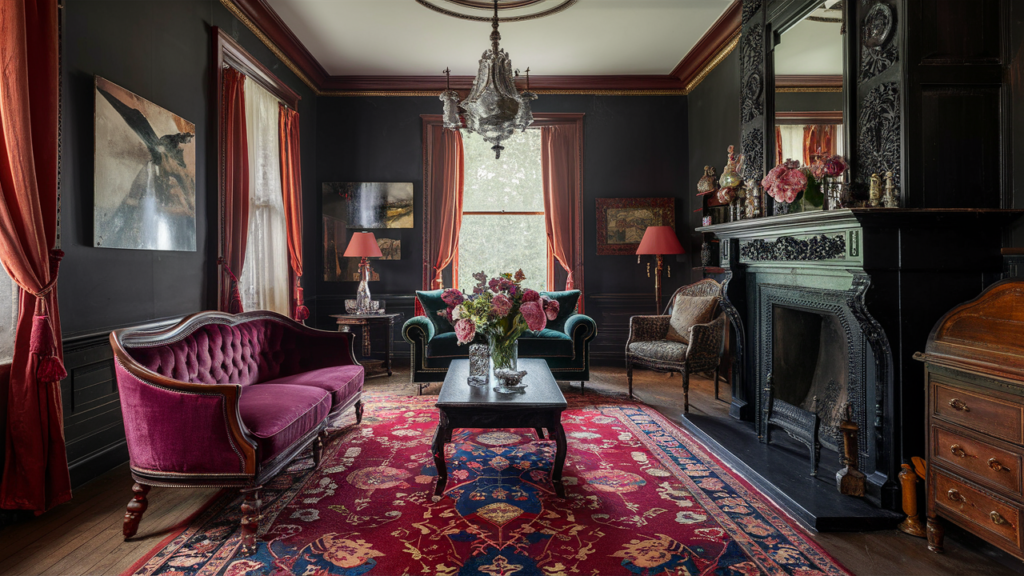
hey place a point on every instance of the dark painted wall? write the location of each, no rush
(633, 147)
(714, 111)
(161, 51)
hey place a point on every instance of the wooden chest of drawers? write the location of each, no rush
(974, 371)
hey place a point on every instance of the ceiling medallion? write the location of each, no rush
(493, 109)
(524, 9)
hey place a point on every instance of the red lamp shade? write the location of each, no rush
(660, 240)
(364, 245)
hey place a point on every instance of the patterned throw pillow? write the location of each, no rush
(688, 311)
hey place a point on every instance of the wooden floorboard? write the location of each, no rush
(84, 535)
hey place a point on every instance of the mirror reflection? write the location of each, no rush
(808, 87)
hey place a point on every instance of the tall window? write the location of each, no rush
(503, 210)
(8, 316)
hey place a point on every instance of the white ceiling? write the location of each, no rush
(812, 48)
(403, 38)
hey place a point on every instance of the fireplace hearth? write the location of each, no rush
(839, 327)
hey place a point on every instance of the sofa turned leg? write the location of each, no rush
(250, 521)
(136, 507)
(686, 392)
(318, 448)
(583, 388)
(359, 412)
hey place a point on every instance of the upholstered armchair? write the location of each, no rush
(565, 343)
(229, 400)
(649, 348)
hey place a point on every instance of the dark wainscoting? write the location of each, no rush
(93, 426)
(405, 304)
(612, 313)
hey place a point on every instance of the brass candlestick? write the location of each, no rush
(912, 525)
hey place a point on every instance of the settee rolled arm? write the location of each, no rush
(580, 323)
(182, 428)
(418, 327)
(706, 342)
(647, 329)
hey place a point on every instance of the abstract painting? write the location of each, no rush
(145, 174)
(370, 204)
(621, 222)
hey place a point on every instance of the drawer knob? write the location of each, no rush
(958, 450)
(959, 404)
(997, 518)
(955, 495)
(997, 466)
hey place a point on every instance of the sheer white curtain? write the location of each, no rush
(263, 283)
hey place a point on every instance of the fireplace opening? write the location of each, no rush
(810, 358)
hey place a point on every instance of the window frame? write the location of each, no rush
(228, 53)
(541, 120)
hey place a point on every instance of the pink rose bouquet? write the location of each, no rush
(499, 309)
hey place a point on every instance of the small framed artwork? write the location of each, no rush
(370, 205)
(621, 222)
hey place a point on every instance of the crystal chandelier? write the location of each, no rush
(493, 109)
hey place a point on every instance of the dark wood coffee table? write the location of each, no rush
(539, 406)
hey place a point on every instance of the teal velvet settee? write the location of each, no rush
(564, 343)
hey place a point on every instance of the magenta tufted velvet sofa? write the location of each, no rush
(229, 400)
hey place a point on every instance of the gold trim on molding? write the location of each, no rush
(237, 13)
(721, 55)
(810, 89)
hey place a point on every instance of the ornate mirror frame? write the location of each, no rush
(873, 131)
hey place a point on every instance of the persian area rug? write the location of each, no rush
(643, 498)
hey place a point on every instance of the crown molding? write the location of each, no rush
(265, 23)
(723, 32)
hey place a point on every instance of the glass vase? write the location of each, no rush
(479, 364)
(504, 353)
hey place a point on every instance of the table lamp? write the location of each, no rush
(363, 245)
(659, 240)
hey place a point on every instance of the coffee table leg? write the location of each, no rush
(540, 433)
(556, 471)
(440, 435)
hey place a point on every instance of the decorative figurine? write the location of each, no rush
(753, 204)
(875, 192)
(891, 198)
(730, 177)
(850, 480)
(707, 182)
(908, 482)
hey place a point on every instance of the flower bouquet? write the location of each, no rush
(501, 310)
(789, 182)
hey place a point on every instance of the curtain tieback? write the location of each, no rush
(235, 297)
(42, 343)
(301, 312)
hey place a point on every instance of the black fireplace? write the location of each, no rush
(833, 305)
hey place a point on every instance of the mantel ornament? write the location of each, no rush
(788, 248)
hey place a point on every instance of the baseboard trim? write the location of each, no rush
(98, 463)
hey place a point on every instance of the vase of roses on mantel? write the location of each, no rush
(797, 188)
(501, 310)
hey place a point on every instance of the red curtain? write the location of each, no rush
(442, 205)
(35, 467)
(236, 188)
(291, 187)
(559, 171)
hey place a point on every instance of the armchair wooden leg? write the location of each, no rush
(686, 392)
(716, 383)
(136, 507)
(359, 411)
(629, 377)
(250, 521)
(583, 389)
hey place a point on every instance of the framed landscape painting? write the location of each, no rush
(621, 222)
(145, 174)
(371, 205)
